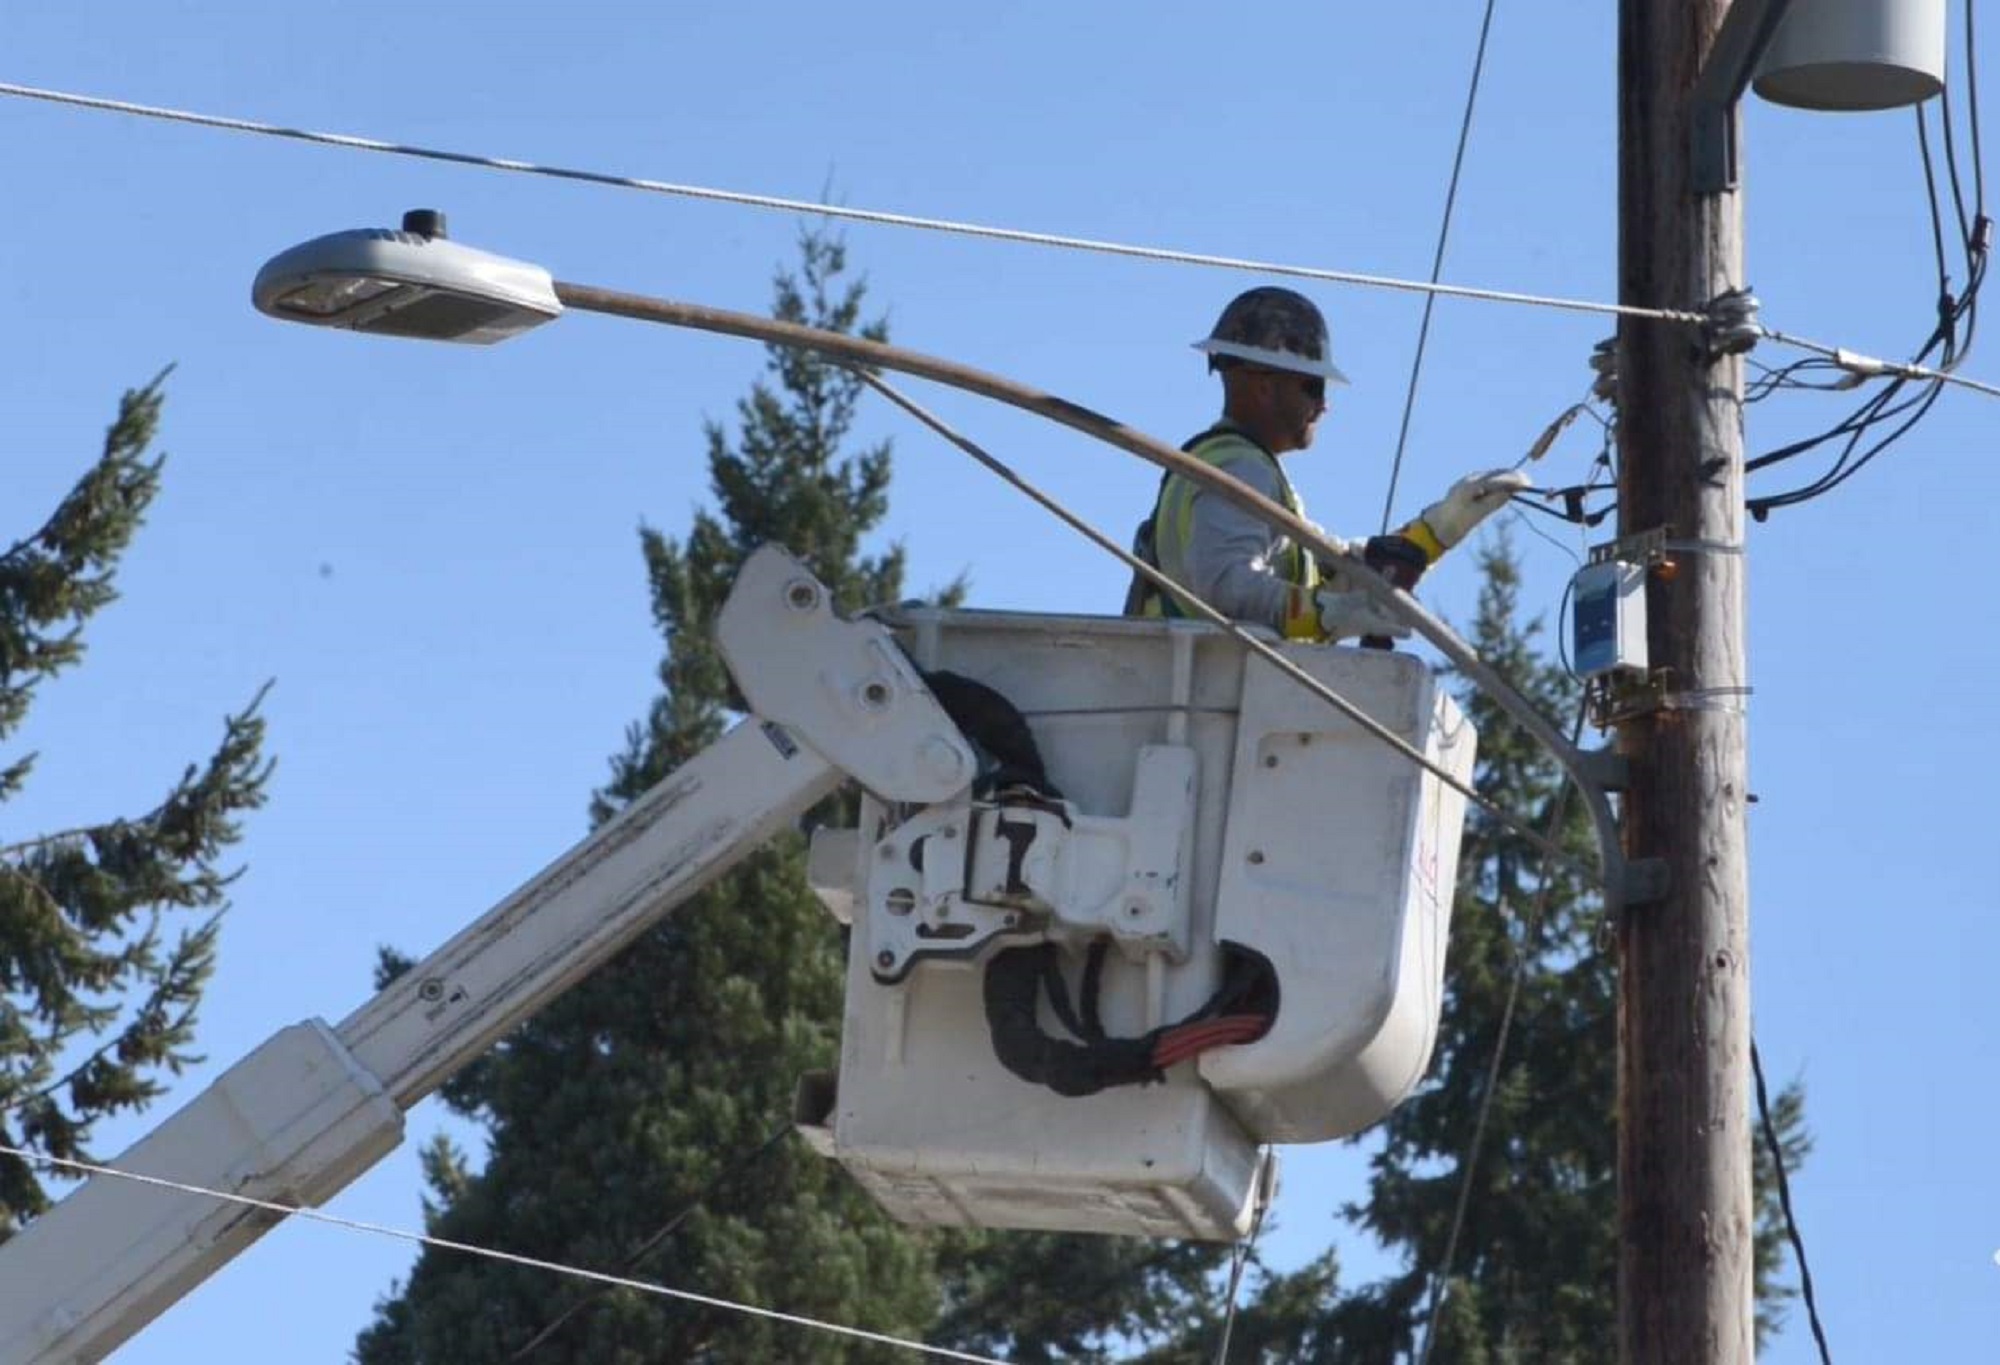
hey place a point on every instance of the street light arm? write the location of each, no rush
(1621, 887)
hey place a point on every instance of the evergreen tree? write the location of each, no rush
(640, 1124)
(100, 976)
(658, 1092)
(1534, 1272)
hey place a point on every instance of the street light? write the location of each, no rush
(416, 283)
(410, 283)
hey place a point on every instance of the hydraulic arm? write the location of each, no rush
(316, 1105)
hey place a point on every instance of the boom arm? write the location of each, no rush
(315, 1106)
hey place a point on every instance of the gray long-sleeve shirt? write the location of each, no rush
(1231, 557)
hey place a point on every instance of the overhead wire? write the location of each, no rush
(1202, 609)
(878, 217)
(1950, 338)
(842, 212)
(1437, 260)
(1792, 1234)
(1240, 1257)
(741, 1162)
(495, 1254)
(1469, 1164)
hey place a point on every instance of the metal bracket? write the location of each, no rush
(1606, 768)
(1611, 699)
(1641, 547)
(1646, 880)
(1732, 59)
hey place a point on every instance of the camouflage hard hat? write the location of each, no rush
(1273, 327)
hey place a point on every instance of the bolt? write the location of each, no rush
(1270, 760)
(885, 958)
(875, 694)
(431, 989)
(1256, 855)
(1134, 909)
(801, 594)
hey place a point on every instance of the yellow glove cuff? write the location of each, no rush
(1420, 534)
(1301, 616)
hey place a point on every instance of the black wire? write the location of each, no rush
(1437, 261)
(1586, 519)
(1842, 470)
(1951, 164)
(1931, 197)
(1562, 630)
(1785, 1203)
(1972, 113)
(1946, 338)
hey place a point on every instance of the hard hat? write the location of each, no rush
(1273, 327)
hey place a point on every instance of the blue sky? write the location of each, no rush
(432, 549)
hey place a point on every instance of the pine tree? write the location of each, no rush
(1535, 1267)
(641, 1123)
(100, 974)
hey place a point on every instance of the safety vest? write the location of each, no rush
(1164, 538)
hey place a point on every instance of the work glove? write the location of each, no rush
(1343, 615)
(1471, 500)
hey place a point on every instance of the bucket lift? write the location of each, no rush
(1251, 894)
(1169, 823)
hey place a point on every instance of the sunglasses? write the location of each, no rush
(1313, 385)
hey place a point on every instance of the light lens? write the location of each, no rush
(332, 297)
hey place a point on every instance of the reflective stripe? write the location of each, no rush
(1173, 521)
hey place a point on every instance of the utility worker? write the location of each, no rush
(1270, 347)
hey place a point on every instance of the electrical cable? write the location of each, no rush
(1777, 1152)
(1437, 262)
(1239, 1257)
(507, 1257)
(736, 1166)
(1530, 928)
(1216, 618)
(1972, 112)
(873, 216)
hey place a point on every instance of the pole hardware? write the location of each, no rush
(1732, 327)
(1739, 44)
(1606, 767)
(1647, 881)
(1604, 365)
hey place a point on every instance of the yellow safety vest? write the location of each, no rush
(1164, 538)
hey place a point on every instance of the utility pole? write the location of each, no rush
(1684, 1142)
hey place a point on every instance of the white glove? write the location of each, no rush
(1350, 613)
(1471, 500)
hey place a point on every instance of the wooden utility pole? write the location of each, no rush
(1685, 1213)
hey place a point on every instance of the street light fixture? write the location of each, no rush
(415, 283)
(410, 283)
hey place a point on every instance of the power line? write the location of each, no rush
(1437, 261)
(875, 216)
(1856, 363)
(731, 1169)
(946, 225)
(1200, 608)
(1530, 929)
(509, 1257)
(1777, 1151)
